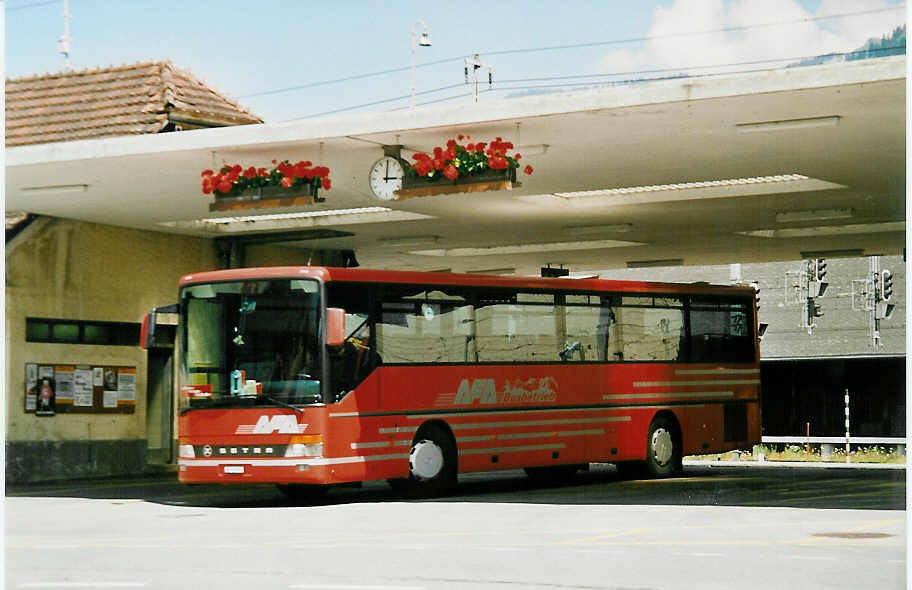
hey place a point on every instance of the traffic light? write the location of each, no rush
(818, 273)
(886, 285)
(761, 326)
(813, 311)
(820, 269)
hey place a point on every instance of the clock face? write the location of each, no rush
(386, 178)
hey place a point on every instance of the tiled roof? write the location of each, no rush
(115, 101)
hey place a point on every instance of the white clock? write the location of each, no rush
(386, 177)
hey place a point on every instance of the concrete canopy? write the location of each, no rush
(842, 126)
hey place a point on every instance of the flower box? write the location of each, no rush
(487, 180)
(285, 185)
(267, 197)
(462, 168)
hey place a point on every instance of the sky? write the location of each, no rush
(282, 58)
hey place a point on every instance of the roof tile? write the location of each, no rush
(110, 102)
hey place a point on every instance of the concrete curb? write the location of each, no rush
(793, 464)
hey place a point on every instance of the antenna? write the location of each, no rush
(63, 44)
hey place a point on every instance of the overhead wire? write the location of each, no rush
(581, 79)
(32, 5)
(572, 46)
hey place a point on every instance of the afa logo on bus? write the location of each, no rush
(280, 423)
(515, 391)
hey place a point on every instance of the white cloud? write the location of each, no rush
(673, 44)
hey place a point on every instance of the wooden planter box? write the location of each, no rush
(267, 197)
(489, 180)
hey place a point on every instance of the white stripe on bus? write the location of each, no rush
(673, 395)
(550, 433)
(397, 429)
(717, 371)
(517, 423)
(291, 462)
(693, 383)
(474, 438)
(513, 449)
(507, 411)
(370, 445)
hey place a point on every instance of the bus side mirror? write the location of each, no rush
(335, 326)
(147, 331)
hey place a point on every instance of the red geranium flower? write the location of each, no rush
(327, 184)
(287, 181)
(527, 169)
(224, 186)
(451, 172)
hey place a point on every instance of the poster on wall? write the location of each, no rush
(31, 387)
(63, 375)
(110, 379)
(46, 398)
(82, 387)
(70, 388)
(110, 399)
(126, 384)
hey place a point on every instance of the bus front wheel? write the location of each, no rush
(663, 448)
(432, 461)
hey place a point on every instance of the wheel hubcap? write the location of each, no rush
(662, 446)
(426, 460)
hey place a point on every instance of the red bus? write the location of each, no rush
(307, 377)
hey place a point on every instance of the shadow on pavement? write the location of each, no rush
(716, 485)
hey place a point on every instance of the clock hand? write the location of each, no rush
(388, 177)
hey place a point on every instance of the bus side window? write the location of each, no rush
(353, 362)
(586, 328)
(649, 329)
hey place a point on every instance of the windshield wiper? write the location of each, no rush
(281, 403)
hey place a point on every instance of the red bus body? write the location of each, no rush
(500, 415)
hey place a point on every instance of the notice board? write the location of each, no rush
(77, 388)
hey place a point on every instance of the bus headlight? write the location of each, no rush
(308, 445)
(186, 452)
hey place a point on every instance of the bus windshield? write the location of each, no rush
(250, 343)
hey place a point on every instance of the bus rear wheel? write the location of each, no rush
(432, 461)
(663, 448)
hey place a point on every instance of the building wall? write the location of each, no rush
(66, 269)
(842, 331)
(806, 376)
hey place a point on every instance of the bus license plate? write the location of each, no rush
(234, 469)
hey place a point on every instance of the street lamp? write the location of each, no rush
(423, 41)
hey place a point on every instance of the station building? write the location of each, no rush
(76, 291)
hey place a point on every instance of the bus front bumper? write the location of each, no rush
(305, 470)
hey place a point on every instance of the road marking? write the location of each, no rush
(587, 540)
(82, 585)
(354, 587)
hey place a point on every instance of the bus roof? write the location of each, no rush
(363, 275)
